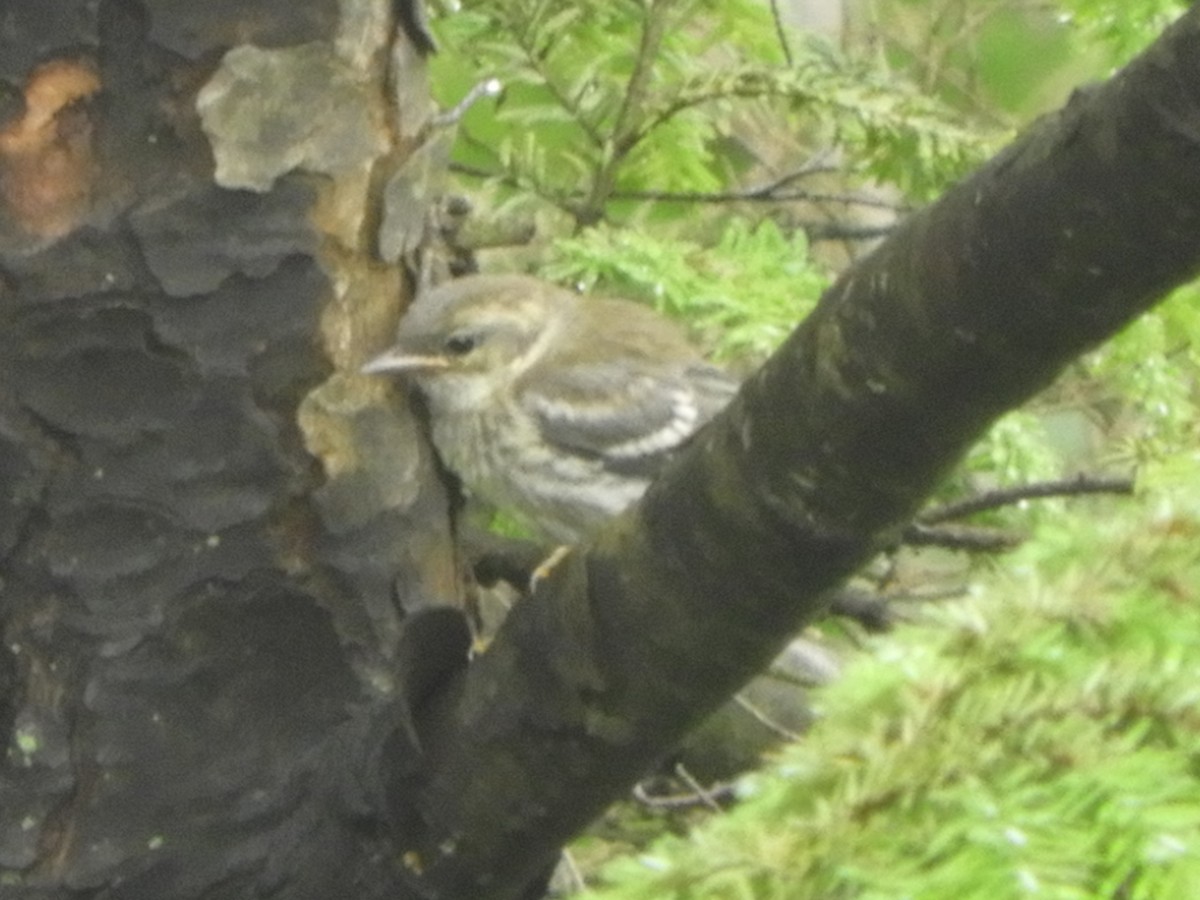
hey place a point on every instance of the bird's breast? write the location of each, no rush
(503, 460)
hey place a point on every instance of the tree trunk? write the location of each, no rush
(214, 545)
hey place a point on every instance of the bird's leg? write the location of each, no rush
(546, 567)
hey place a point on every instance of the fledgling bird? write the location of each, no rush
(557, 407)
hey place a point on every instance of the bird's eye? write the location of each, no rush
(461, 344)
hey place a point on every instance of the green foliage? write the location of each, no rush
(607, 101)
(897, 134)
(1138, 395)
(744, 294)
(993, 58)
(1043, 739)
(1015, 449)
(1154, 365)
(634, 117)
(1122, 27)
(1018, 53)
(1039, 738)
(1013, 57)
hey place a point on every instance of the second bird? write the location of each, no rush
(556, 407)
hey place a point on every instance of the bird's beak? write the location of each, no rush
(397, 360)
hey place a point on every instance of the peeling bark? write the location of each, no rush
(218, 554)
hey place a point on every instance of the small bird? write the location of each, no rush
(556, 407)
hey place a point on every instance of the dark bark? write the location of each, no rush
(214, 551)
(971, 306)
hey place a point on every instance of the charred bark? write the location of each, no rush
(216, 552)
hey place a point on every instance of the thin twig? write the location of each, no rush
(817, 231)
(702, 792)
(764, 719)
(759, 193)
(842, 231)
(780, 33)
(536, 58)
(489, 87)
(698, 796)
(573, 873)
(1068, 487)
(973, 538)
(627, 130)
(876, 613)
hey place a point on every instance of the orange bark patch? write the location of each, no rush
(47, 163)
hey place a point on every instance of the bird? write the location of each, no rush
(556, 407)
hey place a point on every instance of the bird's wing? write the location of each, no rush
(631, 419)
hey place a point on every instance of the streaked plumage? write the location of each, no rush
(554, 406)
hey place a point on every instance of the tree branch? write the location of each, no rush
(781, 32)
(967, 309)
(627, 130)
(1068, 487)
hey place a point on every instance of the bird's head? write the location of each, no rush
(471, 337)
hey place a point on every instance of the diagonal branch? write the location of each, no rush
(967, 309)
